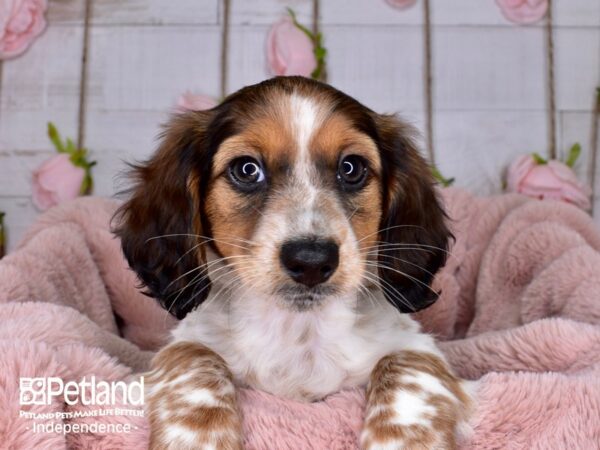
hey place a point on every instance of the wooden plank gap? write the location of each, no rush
(428, 74)
(551, 84)
(594, 145)
(225, 46)
(1, 71)
(81, 114)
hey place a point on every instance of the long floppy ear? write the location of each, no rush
(414, 236)
(159, 225)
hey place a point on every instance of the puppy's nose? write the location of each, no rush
(310, 261)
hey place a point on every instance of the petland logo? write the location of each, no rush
(43, 391)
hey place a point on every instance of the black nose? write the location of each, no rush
(310, 261)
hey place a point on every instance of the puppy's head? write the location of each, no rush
(302, 192)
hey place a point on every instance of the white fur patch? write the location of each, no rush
(428, 383)
(178, 434)
(411, 409)
(202, 397)
(304, 117)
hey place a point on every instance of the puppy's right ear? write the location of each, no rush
(159, 226)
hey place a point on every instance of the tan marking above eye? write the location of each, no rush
(337, 138)
(231, 149)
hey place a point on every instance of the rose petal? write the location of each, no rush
(56, 180)
(518, 170)
(289, 50)
(21, 21)
(556, 181)
(195, 102)
(401, 4)
(42, 199)
(523, 12)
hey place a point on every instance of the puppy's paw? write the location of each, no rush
(191, 401)
(414, 402)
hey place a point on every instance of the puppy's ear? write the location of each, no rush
(160, 227)
(414, 236)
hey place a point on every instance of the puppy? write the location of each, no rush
(290, 228)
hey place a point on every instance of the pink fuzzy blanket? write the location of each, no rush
(519, 311)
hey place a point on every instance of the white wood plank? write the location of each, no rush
(576, 127)
(115, 138)
(155, 12)
(490, 69)
(16, 168)
(40, 86)
(247, 56)
(66, 11)
(577, 63)
(476, 146)
(20, 215)
(380, 66)
(378, 12)
(267, 12)
(147, 68)
(452, 13)
(37, 87)
(577, 13)
(475, 12)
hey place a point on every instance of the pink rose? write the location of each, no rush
(523, 11)
(195, 102)
(289, 50)
(21, 21)
(553, 180)
(401, 4)
(55, 181)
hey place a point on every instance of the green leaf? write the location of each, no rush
(78, 156)
(319, 51)
(574, 153)
(301, 27)
(440, 178)
(55, 138)
(538, 158)
(70, 148)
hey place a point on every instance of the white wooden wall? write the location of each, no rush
(489, 79)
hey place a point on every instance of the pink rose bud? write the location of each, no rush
(523, 11)
(56, 181)
(289, 50)
(195, 102)
(401, 4)
(21, 21)
(553, 180)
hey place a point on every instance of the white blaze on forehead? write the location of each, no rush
(303, 115)
(304, 120)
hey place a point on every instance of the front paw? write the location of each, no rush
(191, 401)
(414, 402)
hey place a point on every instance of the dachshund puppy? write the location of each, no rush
(290, 228)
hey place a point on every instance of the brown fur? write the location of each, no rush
(209, 424)
(398, 199)
(387, 380)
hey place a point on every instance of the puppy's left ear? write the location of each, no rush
(413, 233)
(159, 226)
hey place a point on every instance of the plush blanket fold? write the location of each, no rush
(519, 312)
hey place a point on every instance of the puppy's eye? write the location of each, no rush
(246, 172)
(352, 172)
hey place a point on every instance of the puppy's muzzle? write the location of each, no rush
(310, 261)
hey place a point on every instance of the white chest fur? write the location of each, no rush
(302, 355)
